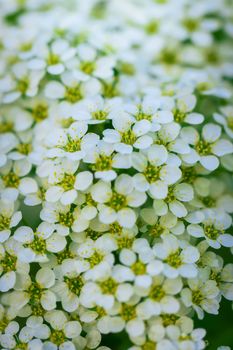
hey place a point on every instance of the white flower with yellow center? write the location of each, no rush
(11, 268)
(207, 147)
(98, 256)
(70, 283)
(169, 136)
(183, 110)
(154, 110)
(53, 58)
(213, 229)
(128, 134)
(138, 264)
(65, 218)
(105, 161)
(155, 171)
(14, 180)
(177, 195)
(36, 245)
(62, 331)
(35, 294)
(97, 110)
(22, 82)
(9, 218)
(116, 204)
(160, 297)
(72, 143)
(223, 275)
(178, 257)
(201, 296)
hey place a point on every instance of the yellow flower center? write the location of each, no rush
(6, 126)
(73, 145)
(125, 242)
(35, 292)
(57, 337)
(87, 67)
(156, 230)
(128, 312)
(230, 122)
(174, 259)
(52, 59)
(40, 112)
(68, 182)
(22, 85)
(99, 115)
(8, 262)
(152, 173)
(212, 232)
(203, 148)
(152, 27)
(109, 286)
(149, 345)
(191, 24)
(126, 68)
(3, 323)
(65, 254)
(169, 319)
(66, 219)
(11, 180)
(4, 222)
(128, 137)
(74, 284)
(103, 163)
(156, 292)
(95, 259)
(73, 94)
(179, 116)
(24, 148)
(197, 297)
(138, 268)
(118, 201)
(38, 245)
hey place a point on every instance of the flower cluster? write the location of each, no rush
(116, 133)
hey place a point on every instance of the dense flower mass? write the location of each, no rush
(116, 129)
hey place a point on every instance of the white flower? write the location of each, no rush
(89, 64)
(72, 143)
(117, 204)
(9, 218)
(103, 160)
(177, 259)
(208, 147)
(201, 295)
(11, 268)
(62, 332)
(213, 229)
(125, 137)
(97, 110)
(160, 297)
(54, 58)
(37, 295)
(155, 171)
(183, 111)
(35, 245)
(65, 218)
(22, 82)
(176, 194)
(13, 180)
